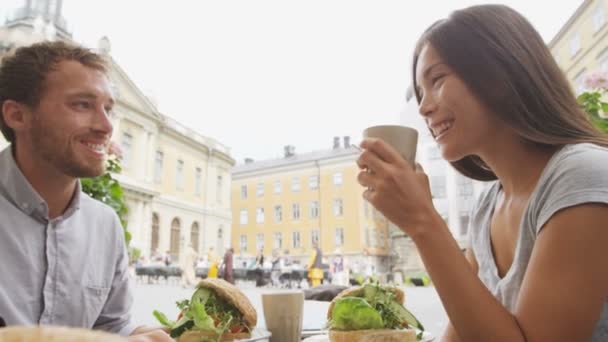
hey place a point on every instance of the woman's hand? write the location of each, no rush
(398, 190)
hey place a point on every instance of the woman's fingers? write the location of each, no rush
(383, 150)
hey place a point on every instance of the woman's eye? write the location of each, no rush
(435, 79)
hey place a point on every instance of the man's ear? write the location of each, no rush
(16, 115)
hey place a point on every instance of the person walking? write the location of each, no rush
(315, 272)
(213, 263)
(187, 263)
(228, 266)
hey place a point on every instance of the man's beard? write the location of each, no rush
(48, 144)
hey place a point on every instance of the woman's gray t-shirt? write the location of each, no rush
(575, 174)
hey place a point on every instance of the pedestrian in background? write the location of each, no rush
(228, 266)
(314, 266)
(187, 263)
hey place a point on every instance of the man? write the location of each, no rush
(63, 254)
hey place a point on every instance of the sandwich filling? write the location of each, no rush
(375, 307)
(206, 312)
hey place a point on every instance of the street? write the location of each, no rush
(421, 301)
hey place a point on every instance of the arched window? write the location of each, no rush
(220, 240)
(194, 236)
(175, 237)
(155, 234)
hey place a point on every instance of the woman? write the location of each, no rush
(213, 263)
(314, 265)
(501, 110)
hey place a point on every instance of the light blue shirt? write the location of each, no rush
(71, 270)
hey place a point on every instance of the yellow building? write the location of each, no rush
(581, 45)
(176, 181)
(285, 204)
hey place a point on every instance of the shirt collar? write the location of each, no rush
(19, 191)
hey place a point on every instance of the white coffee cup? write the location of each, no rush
(284, 313)
(402, 138)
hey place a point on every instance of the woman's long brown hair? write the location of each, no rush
(504, 61)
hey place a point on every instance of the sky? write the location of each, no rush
(257, 75)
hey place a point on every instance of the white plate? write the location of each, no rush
(426, 337)
(257, 335)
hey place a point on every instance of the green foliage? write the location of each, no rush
(134, 254)
(108, 190)
(592, 103)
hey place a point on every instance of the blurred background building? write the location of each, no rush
(287, 203)
(581, 45)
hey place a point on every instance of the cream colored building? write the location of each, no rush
(286, 203)
(176, 181)
(581, 45)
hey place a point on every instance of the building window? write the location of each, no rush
(313, 182)
(579, 82)
(277, 187)
(277, 241)
(198, 178)
(438, 186)
(259, 242)
(219, 191)
(339, 237)
(243, 243)
(158, 167)
(179, 175)
(575, 44)
(155, 234)
(602, 60)
(314, 237)
(194, 236)
(338, 207)
(314, 209)
(373, 233)
(278, 213)
(338, 178)
(599, 18)
(464, 223)
(434, 153)
(243, 217)
(295, 184)
(465, 186)
(295, 211)
(367, 236)
(259, 215)
(382, 238)
(295, 242)
(243, 191)
(127, 149)
(175, 239)
(259, 190)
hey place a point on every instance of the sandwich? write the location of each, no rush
(217, 311)
(372, 313)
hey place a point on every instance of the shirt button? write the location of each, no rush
(25, 205)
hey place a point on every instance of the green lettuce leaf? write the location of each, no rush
(353, 313)
(162, 319)
(201, 319)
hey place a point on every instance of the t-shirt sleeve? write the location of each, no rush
(579, 176)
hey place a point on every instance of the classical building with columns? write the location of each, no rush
(176, 181)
